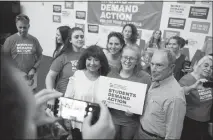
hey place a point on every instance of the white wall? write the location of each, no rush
(42, 26)
(197, 38)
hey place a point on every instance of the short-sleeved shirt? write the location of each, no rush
(75, 89)
(119, 117)
(24, 51)
(65, 65)
(199, 101)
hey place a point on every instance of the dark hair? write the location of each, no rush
(12, 105)
(96, 52)
(152, 39)
(67, 44)
(134, 36)
(64, 31)
(22, 17)
(117, 35)
(180, 41)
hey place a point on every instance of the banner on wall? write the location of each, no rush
(176, 9)
(93, 28)
(82, 26)
(200, 27)
(199, 12)
(178, 23)
(208, 38)
(121, 94)
(81, 15)
(169, 33)
(144, 15)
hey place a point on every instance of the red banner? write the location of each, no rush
(144, 15)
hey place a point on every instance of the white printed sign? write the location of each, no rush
(122, 94)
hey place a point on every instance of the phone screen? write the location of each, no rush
(71, 109)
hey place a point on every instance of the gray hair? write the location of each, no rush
(170, 55)
(22, 17)
(201, 61)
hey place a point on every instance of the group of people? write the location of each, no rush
(177, 105)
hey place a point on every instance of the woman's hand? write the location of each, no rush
(198, 83)
(44, 117)
(128, 113)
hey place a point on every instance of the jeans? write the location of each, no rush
(125, 132)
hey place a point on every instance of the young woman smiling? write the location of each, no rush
(127, 123)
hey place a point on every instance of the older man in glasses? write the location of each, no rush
(165, 104)
(25, 50)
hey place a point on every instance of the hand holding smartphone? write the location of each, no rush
(76, 110)
(208, 84)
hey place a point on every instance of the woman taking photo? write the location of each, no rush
(198, 99)
(126, 123)
(115, 44)
(62, 34)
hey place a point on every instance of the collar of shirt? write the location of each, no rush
(156, 84)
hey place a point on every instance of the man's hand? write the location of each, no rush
(42, 117)
(102, 129)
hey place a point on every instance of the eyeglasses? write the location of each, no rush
(131, 59)
(79, 36)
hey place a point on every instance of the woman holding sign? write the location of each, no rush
(115, 44)
(126, 123)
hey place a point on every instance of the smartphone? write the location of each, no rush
(187, 64)
(208, 84)
(76, 110)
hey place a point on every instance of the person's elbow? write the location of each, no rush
(50, 79)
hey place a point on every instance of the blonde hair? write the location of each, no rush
(201, 61)
(134, 48)
(137, 50)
